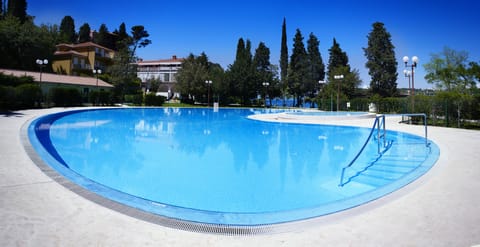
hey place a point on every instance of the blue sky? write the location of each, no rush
(182, 27)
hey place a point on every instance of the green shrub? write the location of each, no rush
(66, 96)
(101, 98)
(10, 80)
(153, 100)
(7, 97)
(28, 95)
(135, 99)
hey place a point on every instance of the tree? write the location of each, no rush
(381, 61)
(123, 39)
(298, 73)
(67, 30)
(191, 78)
(239, 74)
(337, 58)
(284, 59)
(84, 33)
(105, 38)
(450, 70)
(264, 71)
(22, 43)
(18, 9)
(338, 65)
(261, 62)
(316, 70)
(139, 38)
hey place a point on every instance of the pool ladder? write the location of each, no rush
(382, 142)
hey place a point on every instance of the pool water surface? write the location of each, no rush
(219, 167)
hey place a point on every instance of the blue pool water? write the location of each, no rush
(220, 167)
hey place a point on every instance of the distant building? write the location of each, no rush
(47, 81)
(81, 59)
(164, 71)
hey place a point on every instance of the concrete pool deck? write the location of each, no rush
(442, 208)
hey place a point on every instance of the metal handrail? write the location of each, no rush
(380, 125)
(424, 122)
(361, 150)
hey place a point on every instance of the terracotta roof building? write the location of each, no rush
(81, 59)
(48, 81)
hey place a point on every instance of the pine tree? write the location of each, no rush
(316, 66)
(381, 61)
(284, 60)
(139, 38)
(84, 33)
(240, 73)
(298, 73)
(337, 58)
(264, 71)
(67, 30)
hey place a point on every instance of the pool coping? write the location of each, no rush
(438, 209)
(147, 210)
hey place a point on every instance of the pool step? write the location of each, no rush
(386, 170)
(371, 180)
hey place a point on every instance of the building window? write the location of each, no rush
(166, 77)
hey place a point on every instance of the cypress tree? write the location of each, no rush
(298, 67)
(123, 39)
(381, 62)
(67, 30)
(316, 66)
(84, 33)
(18, 8)
(284, 59)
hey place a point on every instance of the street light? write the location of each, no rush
(265, 84)
(321, 85)
(408, 74)
(412, 66)
(96, 72)
(209, 84)
(41, 63)
(338, 77)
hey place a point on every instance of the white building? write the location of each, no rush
(163, 70)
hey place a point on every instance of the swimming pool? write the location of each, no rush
(328, 113)
(219, 167)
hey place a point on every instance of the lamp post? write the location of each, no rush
(265, 84)
(209, 84)
(408, 74)
(41, 63)
(338, 78)
(96, 72)
(321, 85)
(412, 66)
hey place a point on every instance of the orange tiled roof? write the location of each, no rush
(59, 53)
(80, 45)
(60, 79)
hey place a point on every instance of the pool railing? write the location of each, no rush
(383, 143)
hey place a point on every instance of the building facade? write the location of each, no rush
(81, 59)
(163, 71)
